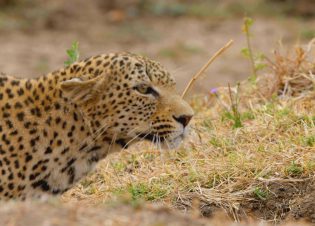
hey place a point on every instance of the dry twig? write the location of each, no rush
(204, 68)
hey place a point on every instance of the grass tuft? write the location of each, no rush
(73, 54)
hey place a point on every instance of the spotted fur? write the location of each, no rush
(55, 128)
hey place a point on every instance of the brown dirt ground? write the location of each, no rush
(57, 214)
(33, 40)
(304, 206)
(288, 200)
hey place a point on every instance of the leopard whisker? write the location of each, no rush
(98, 133)
(134, 138)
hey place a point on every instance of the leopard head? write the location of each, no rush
(131, 98)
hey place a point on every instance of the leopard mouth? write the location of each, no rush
(153, 137)
(125, 143)
(166, 143)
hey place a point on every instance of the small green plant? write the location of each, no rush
(310, 141)
(256, 60)
(215, 142)
(231, 113)
(138, 191)
(234, 113)
(247, 116)
(142, 191)
(260, 193)
(193, 176)
(308, 120)
(294, 169)
(283, 112)
(73, 54)
(119, 166)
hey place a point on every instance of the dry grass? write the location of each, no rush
(242, 169)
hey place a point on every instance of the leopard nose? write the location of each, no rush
(183, 119)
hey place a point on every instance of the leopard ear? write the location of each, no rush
(82, 92)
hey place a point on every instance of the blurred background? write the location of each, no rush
(181, 34)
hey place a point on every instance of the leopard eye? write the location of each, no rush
(146, 90)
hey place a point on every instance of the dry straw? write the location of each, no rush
(204, 68)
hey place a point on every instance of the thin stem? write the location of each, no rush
(250, 51)
(204, 68)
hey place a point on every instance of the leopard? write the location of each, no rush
(55, 128)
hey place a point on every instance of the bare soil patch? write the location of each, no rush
(304, 206)
(34, 38)
(286, 200)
